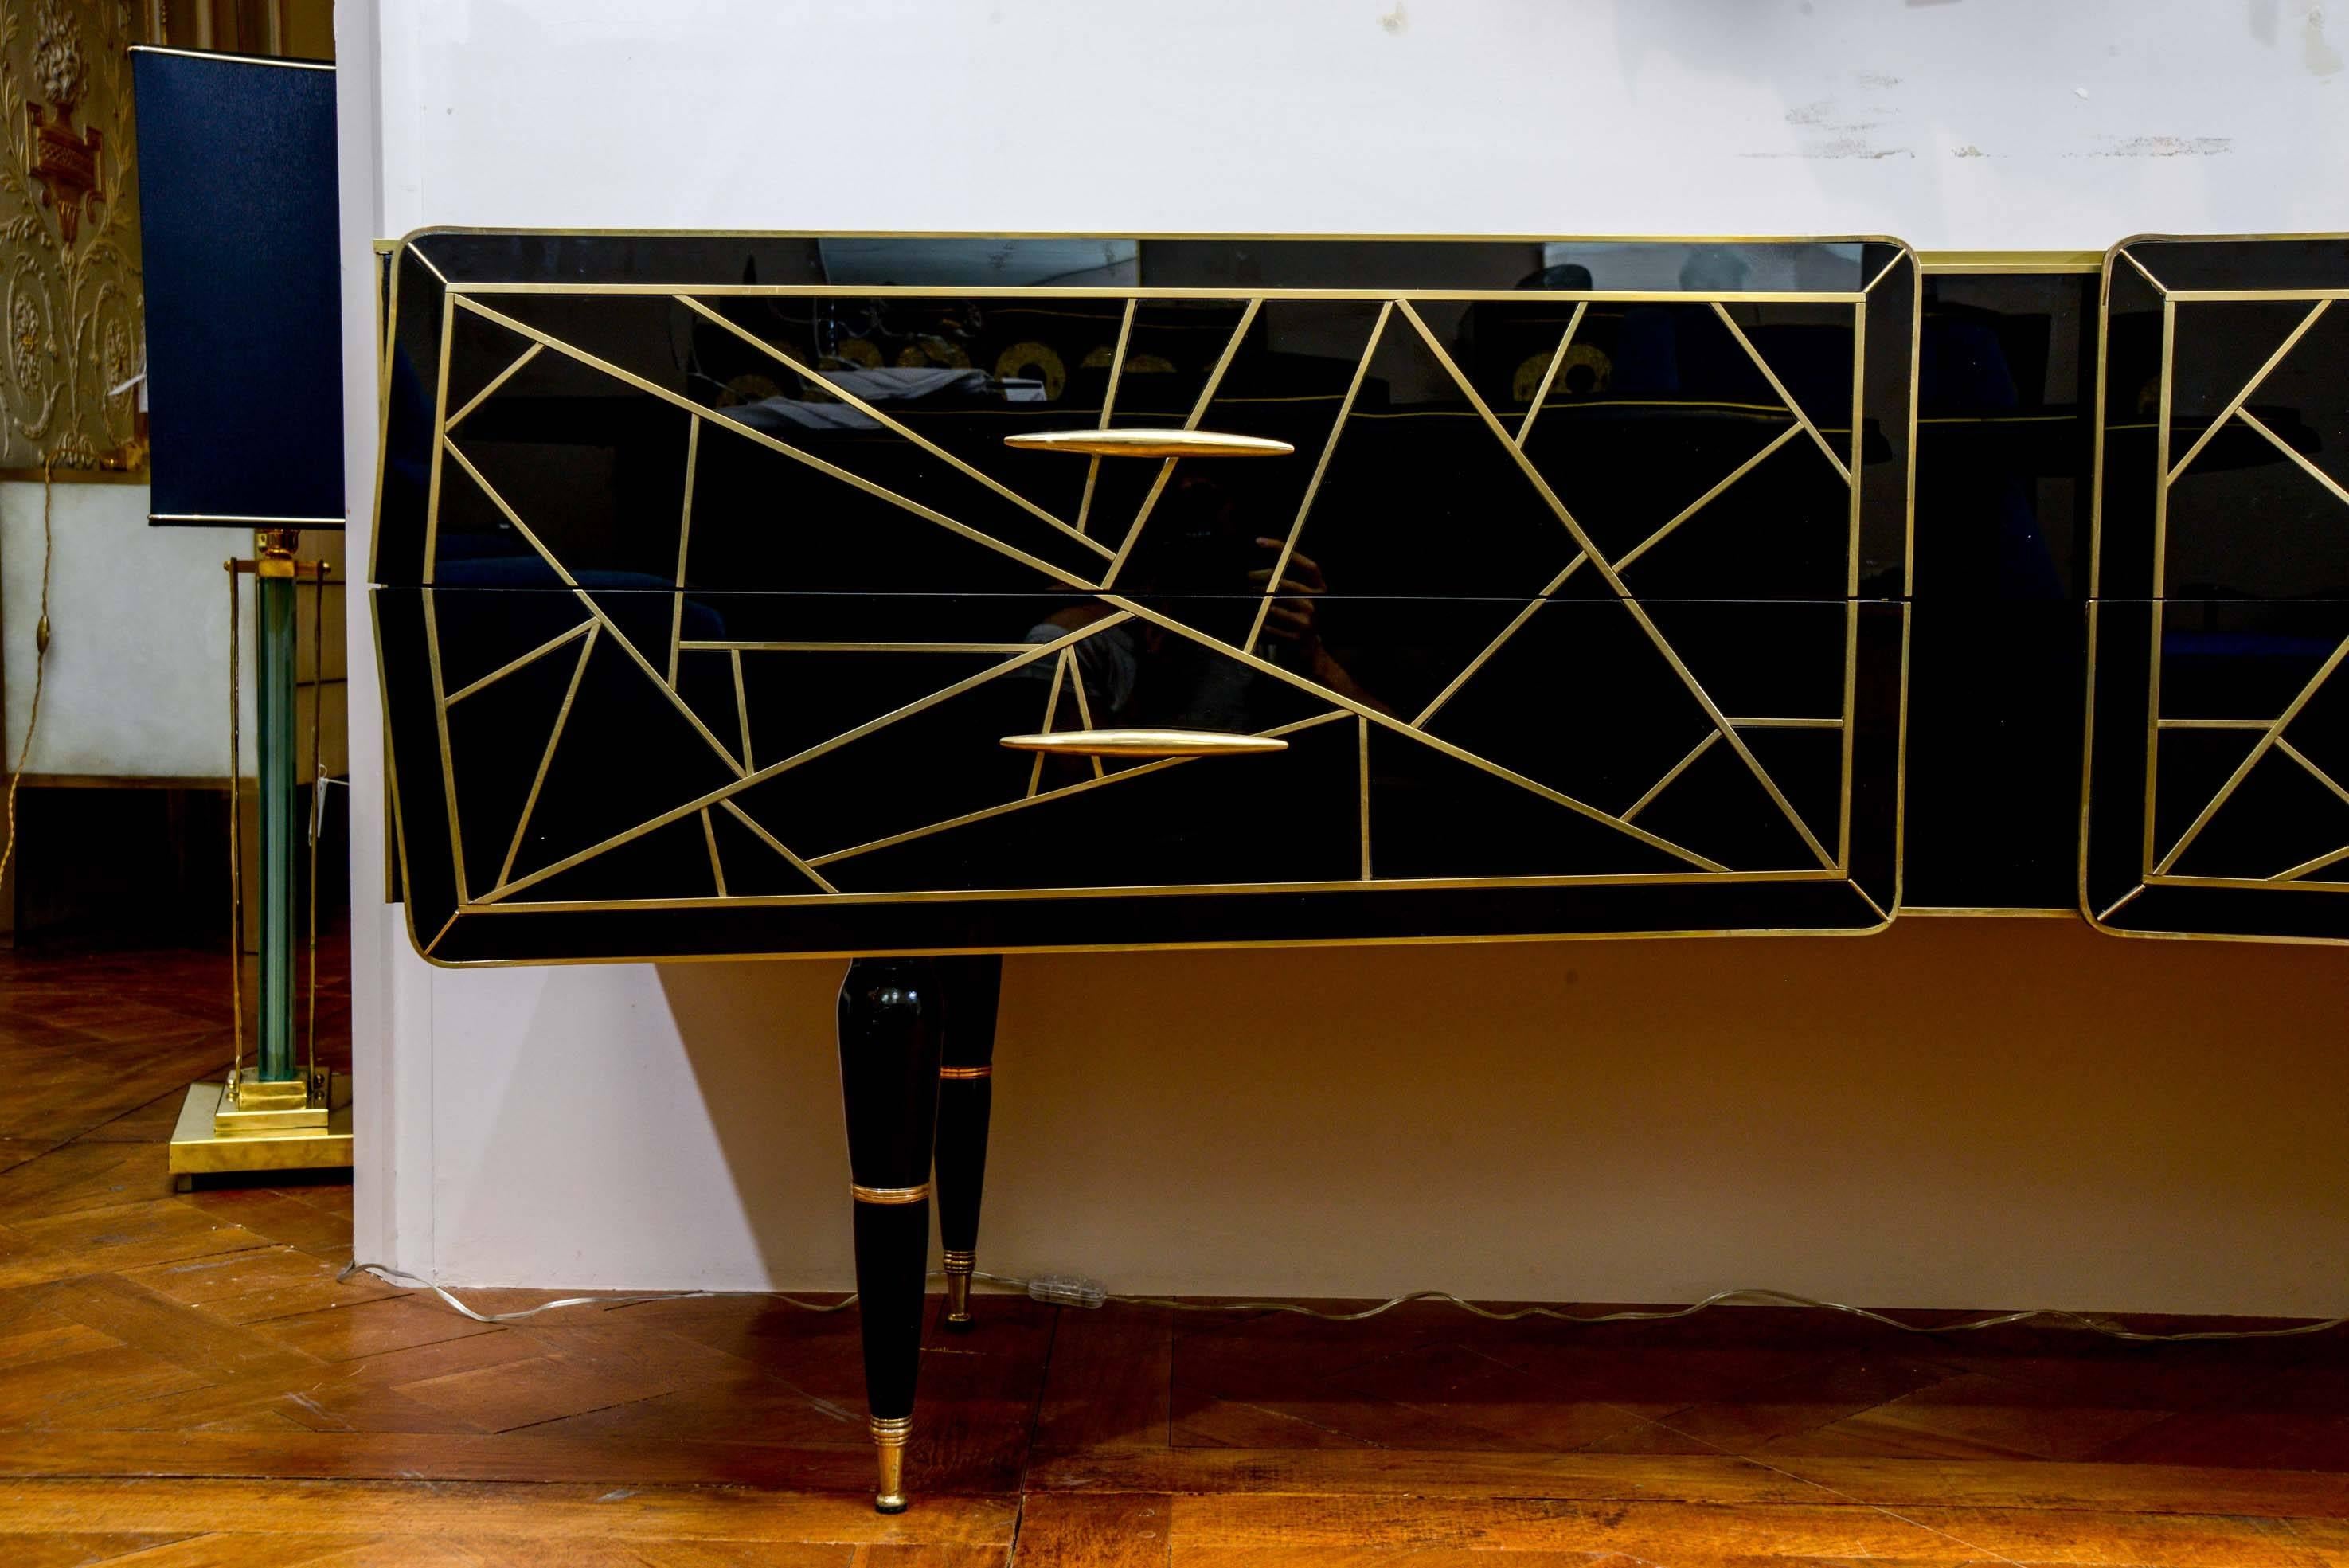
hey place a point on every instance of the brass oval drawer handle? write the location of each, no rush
(1145, 743)
(1150, 443)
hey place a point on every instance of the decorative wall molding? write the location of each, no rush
(69, 274)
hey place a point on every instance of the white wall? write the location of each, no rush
(138, 672)
(2111, 1124)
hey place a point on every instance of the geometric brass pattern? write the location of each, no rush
(2171, 835)
(1108, 543)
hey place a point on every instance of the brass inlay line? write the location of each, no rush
(2131, 258)
(1884, 271)
(709, 836)
(2308, 867)
(546, 758)
(1549, 373)
(2122, 901)
(1138, 443)
(775, 844)
(500, 379)
(440, 719)
(1084, 704)
(2214, 723)
(891, 1195)
(2318, 773)
(1313, 485)
(1678, 768)
(761, 438)
(1851, 603)
(2242, 397)
(893, 425)
(426, 263)
(1109, 402)
(619, 638)
(1630, 601)
(1788, 724)
(1452, 687)
(1362, 755)
(2161, 566)
(718, 644)
(741, 706)
(983, 813)
(427, 948)
(2255, 296)
(1198, 412)
(1872, 903)
(1779, 387)
(1702, 502)
(684, 533)
(2306, 467)
(2268, 738)
(1388, 722)
(502, 671)
(725, 793)
(440, 424)
(1100, 744)
(963, 1074)
(1051, 706)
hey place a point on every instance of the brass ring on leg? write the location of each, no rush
(889, 1436)
(959, 1264)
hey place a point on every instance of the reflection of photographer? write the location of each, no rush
(1197, 544)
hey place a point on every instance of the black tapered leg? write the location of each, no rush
(965, 1098)
(890, 1027)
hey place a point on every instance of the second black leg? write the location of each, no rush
(965, 1098)
(890, 1028)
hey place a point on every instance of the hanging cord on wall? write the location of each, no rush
(1063, 1292)
(40, 668)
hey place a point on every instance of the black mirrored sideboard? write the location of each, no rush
(921, 599)
(1560, 586)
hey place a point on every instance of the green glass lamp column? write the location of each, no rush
(274, 679)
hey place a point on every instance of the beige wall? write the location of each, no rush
(1955, 1113)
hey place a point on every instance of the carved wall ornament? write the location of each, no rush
(69, 275)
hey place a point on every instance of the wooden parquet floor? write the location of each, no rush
(185, 1380)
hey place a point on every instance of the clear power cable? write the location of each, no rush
(1062, 1291)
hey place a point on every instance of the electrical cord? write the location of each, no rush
(1080, 1293)
(40, 668)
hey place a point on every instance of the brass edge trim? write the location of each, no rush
(1947, 264)
(996, 950)
(472, 293)
(1138, 443)
(890, 1195)
(429, 230)
(1144, 743)
(1985, 911)
(247, 520)
(1146, 890)
(962, 1073)
(959, 1262)
(291, 65)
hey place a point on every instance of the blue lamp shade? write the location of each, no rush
(244, 378)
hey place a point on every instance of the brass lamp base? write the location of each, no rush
(265, 1129)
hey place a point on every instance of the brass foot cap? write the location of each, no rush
(889, 1502)
(959, 1323)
